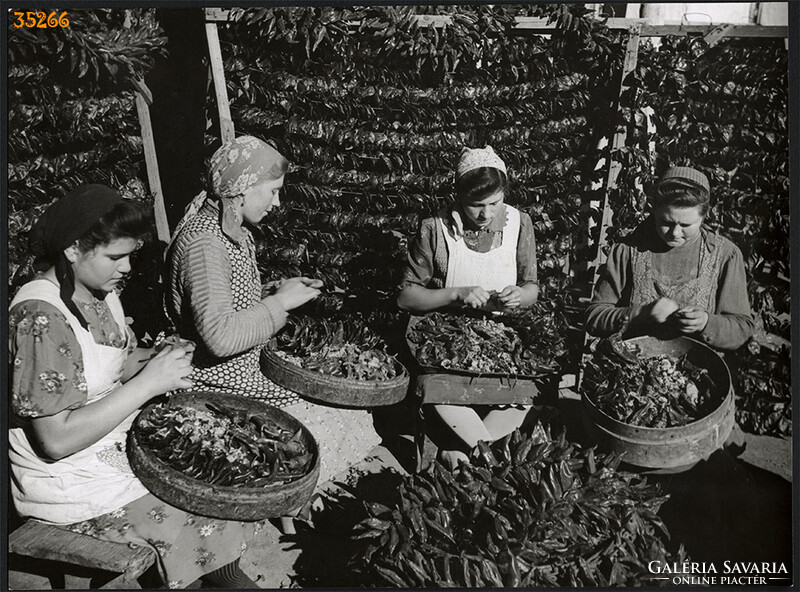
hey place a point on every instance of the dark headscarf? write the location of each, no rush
(64, 222)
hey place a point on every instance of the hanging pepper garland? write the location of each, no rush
(72, 118)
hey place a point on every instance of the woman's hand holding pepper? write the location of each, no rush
(690, 320)
(473, 296)
(297, 291)
(659, 311)
(169, 369)
(510, 296)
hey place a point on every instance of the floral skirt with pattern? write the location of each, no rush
(187, 546)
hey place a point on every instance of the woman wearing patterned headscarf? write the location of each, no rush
(478, 252)
(214, 297)
(78, 381)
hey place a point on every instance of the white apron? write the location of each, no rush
(92, 481)
(493, 270)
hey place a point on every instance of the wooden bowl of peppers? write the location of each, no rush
(224, 456)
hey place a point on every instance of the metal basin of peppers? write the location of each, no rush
(660, 391)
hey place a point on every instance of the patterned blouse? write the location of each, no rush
(47, 375)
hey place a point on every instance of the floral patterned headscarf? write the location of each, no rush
(241, 163)
(236, 166)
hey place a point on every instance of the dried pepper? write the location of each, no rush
(223, 446)
(526, 343)
(531, 510)
(344, 348)
(656, 392)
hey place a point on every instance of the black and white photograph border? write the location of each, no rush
(248, 217)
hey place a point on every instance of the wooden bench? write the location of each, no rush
(81, 560)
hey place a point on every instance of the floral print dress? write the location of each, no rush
(58, 366)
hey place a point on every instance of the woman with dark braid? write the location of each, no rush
(78, 380)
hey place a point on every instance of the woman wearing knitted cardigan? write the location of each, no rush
(214, 297)
(674, 276)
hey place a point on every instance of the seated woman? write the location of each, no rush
(77, 382)
(214, 297)
(477, 246)
(674, 276)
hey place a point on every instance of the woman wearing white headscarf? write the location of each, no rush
(475, 248)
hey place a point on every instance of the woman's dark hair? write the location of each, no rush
(127, 219)
(480, 183)
(682, 193)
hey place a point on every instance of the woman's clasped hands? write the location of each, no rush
(687, 319)
(477, 297)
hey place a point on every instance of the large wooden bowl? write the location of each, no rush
(334, 390)
(675, 448)
(215, 501)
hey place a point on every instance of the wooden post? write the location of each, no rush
(614, 168)
(218, 74)
(614, 165)
(153, 176)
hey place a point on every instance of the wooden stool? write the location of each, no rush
(71, 553)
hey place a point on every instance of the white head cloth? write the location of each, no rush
(475, 158)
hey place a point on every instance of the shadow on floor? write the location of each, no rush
(724, 509)
(326, 547)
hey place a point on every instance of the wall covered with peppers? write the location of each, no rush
(373, 115)
(71, 114)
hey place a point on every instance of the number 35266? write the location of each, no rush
(41, 20)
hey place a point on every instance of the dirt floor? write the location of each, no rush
(725, 508)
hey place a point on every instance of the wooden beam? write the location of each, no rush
(218, 73)
(734, 31)
(716, 34)
(542, 26)
(143, 90)
(614, 168)
(151, 162)
(215, 15)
